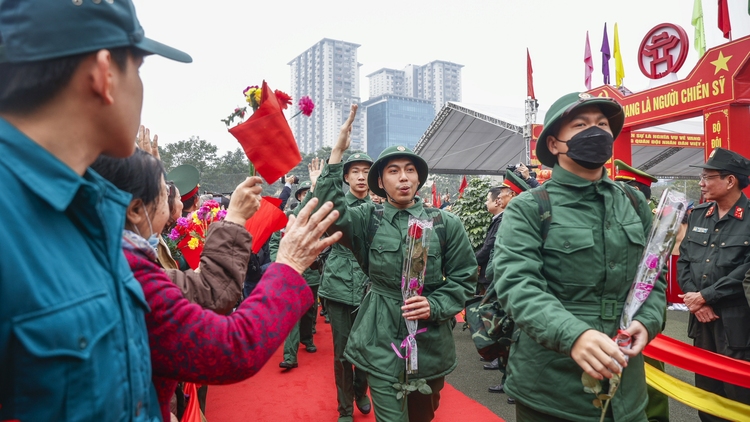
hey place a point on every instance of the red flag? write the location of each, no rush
(529, 76)
(588, 61)
(267, 220)
(434, 195)
(463, 186)
(724, 24)
(267, 139)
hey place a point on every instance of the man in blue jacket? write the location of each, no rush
(73, 341)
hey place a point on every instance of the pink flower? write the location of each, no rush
(652, 261)
(174, 234)
(419, 290)
(413, 284)
(221, 214)
(183, 222)
(306, 105)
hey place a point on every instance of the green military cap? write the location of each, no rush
(627, 173)
(356, 158)
(566, 105)
(515, 183)
(726, 160)
(389, 154)
(185, 178)
(303, 187)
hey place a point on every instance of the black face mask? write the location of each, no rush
(590, 148)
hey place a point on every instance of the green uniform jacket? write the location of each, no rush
(450, 280)
(343, 281)
(575, 280)
(714, 257)
(312, 277)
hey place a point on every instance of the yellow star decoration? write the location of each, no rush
(721, 63)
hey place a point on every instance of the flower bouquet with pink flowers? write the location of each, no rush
(253, 96)
(658, 249)
(190, 232)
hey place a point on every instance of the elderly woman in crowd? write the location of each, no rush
(196, 345)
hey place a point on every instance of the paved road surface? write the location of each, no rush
(471, 379)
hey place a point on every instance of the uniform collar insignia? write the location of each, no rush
(710, 211)
(738, 212)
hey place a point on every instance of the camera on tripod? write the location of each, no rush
(514, 169)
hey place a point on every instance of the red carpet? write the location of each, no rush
(308, 393)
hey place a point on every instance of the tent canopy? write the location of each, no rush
(484, 140)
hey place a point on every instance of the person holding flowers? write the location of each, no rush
(564, 274)
(190, 343)
(436, 280)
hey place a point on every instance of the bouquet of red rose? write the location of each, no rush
(190, 232)
(412, 281)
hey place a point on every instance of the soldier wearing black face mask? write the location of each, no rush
(566, 285)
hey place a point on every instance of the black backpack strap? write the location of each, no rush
(438, 225)
(541, 196)
(630, 192)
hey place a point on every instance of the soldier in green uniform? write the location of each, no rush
(342, 289)
(658, 402)
(186, 178)
(637, 179)
(564, 274)
(512, 186)
(376, 234)
(714, 259)
(302, 331)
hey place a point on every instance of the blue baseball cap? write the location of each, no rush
(36, 30)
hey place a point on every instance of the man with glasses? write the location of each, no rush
(714, 258)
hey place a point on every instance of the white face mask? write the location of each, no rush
(153, 239)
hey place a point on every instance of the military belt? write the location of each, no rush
(608, 310)
(389, 293)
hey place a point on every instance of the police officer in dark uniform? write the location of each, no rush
(714, 259)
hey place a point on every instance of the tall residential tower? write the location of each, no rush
(328, 72)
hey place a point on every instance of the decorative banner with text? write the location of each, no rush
(709, 85)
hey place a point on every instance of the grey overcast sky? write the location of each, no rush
(236, 43)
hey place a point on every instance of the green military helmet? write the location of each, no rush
(389, 154)
(355, 158)
(726, 160)
(303, 188)
(515, 183)
(563, 107)
(185, 178)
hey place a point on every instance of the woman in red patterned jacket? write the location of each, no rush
(187, 342)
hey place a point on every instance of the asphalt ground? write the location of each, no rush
(473, 380)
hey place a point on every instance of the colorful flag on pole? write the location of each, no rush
(724, 24)
(267, 139)
(435, 197)
(606, 54)
(619, 69)
(529, 76)
(462, 187)
(699, 37)
(588, 63)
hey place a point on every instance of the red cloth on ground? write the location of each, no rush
(189, 343)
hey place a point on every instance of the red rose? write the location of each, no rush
(415, 231)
